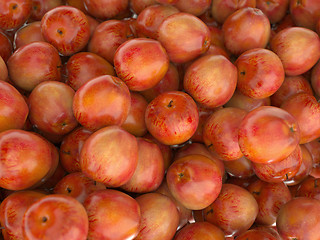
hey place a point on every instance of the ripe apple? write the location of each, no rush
(110, 156)
(29, 33)
(194, 7)
(239, 168)
(105, 9)
(66, 28)
(274, 10)
(141, 63)
(268, 134)
(172, 117)
(34, 63)
(40, 7)
(55, 216)
(194, 180)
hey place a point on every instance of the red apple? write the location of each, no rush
(25, 159)
(14, 13)
(211, 80)
(105, 9)
(34, 63)
(260, 73)
(110, 156)
(159, 217)
(66, 28)
(200, 230)
(29, 33)
(194, 180)
(256, 234)
(245, 29)
(40, 7)
(12, 209)
(55, 216)
(268, 134)
(101, 102)
(194, 7)
(306, 13)
(239, 168)
(298, 48)
(3, 70)
(149, 172)
(220, 133)
(5, 46)
(133, 54)
(138, 5)
(275, 10)
(50, 105)
(84, 66)
(172, 117)
(13, 108)
(179, 26)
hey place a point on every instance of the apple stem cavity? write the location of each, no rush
(170, 103)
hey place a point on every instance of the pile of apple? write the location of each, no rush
(160, 119)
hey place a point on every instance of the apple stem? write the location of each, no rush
(170, 103)
(44, 219)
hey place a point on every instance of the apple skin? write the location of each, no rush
(133, 54)
(3, 70)
(29, 33)
(270, 198)
(138, 5)
(256, 234)
(134, 122)
(185, 214)
(172, 117)
(315, 79)
(78, 186)
(220, 133)
(222, 9)
(84, 66)
(14, 13)
(239, 168)
(211, 80)
(5, 46)
(194, 7)
(268, 134)
(55, 216)
(234, 211)
(260, 73)
(34, 63)
(194, 180)
(238, 37)
(276, 172)
(66, 28)
(150, 18)
(200, 230)
(50, 106)
(12, 209)
(305, 14)
(275, 10)
(298, 48)
(40, 7)
(159, 217)
(26, 159)
(105, 9)
(112, 215)
(289, 87)
(13, 108)
(291, 220)
(110, 156)
(102, 101)
(108, 36)
(149, 172)
(179, 26)
(306, 110)
(314, 149)
(239, 100)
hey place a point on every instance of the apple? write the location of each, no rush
(194, 180)
(29, 33)
(138, 5)
(102, 101)
(256, 234)
(141, 63)
(201, 230)
(179, 26)
(211, 80)
(26, 159)
(40, 7)
(55, 216)
(172, 117)
(5, 46)
(108, 36)
(194, 7)
(50, 106)
(159, 217)
(3, 70)
(239, 168)
(110, 156)
(245, 29)
(305, 14)
(34, 63)
(84, 66)
(105, 9)
(260, 73)
(268, 134)
(66, 28)
(13, 107)
(274, 10)
(298, 48)
(14, 13)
